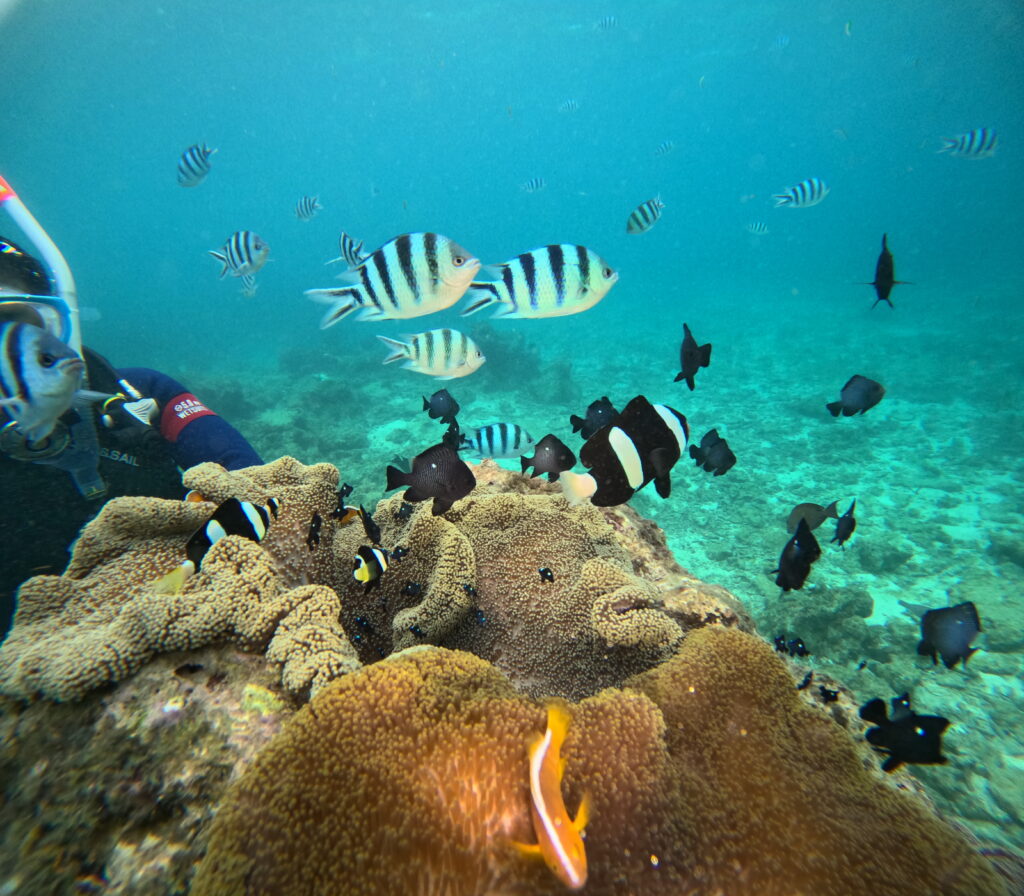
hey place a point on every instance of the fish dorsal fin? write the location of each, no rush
(582, 814)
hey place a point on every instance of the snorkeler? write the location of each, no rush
(74, 430)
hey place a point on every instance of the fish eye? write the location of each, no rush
(47, 360)
(458, 260)
(607, 273)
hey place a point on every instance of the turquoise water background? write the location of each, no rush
(430, 116)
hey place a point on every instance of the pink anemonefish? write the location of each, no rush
(558, 837)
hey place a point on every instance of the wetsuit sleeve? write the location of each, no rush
(194, 434)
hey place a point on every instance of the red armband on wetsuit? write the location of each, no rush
(179, 412)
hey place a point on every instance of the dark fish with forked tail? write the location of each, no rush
(907, 736)
(814, 514)
(714, 454)
(692, 357)
(845, 525)
(551, 456)
(860, 394)
(437, 473)
(796, 559)
(885, 275)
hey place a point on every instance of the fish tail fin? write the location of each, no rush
(525, 463)
(874, 711)
(832, 511)
(696, 454)
(782, 200)
(426, 404)
(342, 301)
(948, 143)
(577, 422)
(399, 350)
(396, 478)
(223, 259)
(582, 818)
(479, 296)
(175, 580)
(834, 407)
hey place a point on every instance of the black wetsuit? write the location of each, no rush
(44, 510)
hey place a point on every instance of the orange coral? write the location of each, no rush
(709, 776)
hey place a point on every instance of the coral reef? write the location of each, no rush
(709, 774)
(101, 620)
(618, 603)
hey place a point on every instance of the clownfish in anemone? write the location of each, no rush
(559, 837)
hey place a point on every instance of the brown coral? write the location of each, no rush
(410, 776)
(481, 591)
(101, 619)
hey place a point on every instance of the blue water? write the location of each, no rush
(430, 116)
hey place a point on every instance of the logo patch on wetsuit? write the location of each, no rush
(120, 456)
(179, 412)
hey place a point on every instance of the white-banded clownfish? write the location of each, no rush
(559, 840)
(369, 565)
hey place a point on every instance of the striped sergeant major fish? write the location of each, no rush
(39, 376)
(805, 194)
(306, 207)
(194, 164)
(551, 281)
(645, 216)
(664, 148)
(606, 23)
(977, 144)
(499, 440)
(351, 251)
(638, 446)
(534, 185)
(445, 354)
(232, 517)
(569, 106)
(409, 276)
(757, 228)
(244, 253)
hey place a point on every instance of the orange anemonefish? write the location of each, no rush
(558, 837)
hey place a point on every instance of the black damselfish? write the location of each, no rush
(845, 525)
(692, 357)
(599, 413)
(948, 632)
(441, 406)
(546, 575)
(714, 454)
(437, 473)
(907, 737)
(640, 445)
(551, 456)
(885, 275)
(796, 559)
(858, 395)
(313, 537)
(371, 529)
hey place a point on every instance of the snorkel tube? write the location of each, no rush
(75, 449)
(65, 303)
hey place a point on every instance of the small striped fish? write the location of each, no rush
(606, 23)
(758, 228)
(194, 164)
(664, 148)
(244, 253)
(977, 144)
(409, 276)
(805, 194)
(351, 251)
(499, 440)
(445, 354)
(645, 216)
(534, 185)
(569, 106)
(548, 282)
(39, 375)
(306, 207)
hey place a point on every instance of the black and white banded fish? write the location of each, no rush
(569, 106)
(243, 253)
(368, 565)
(758, 228)
(644, 216)
(194, 164)
(664, 148)
(606, 23)
(805, 194)
(39, 376)
(551, 281)
(409, 276)
(232, 517)
(351, 251)
(977, 144)
(534, 185)
(499, 440)
(445, 354)
(306, 207)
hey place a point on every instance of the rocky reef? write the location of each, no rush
(140, 731)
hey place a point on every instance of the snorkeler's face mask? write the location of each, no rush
(25, 274)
